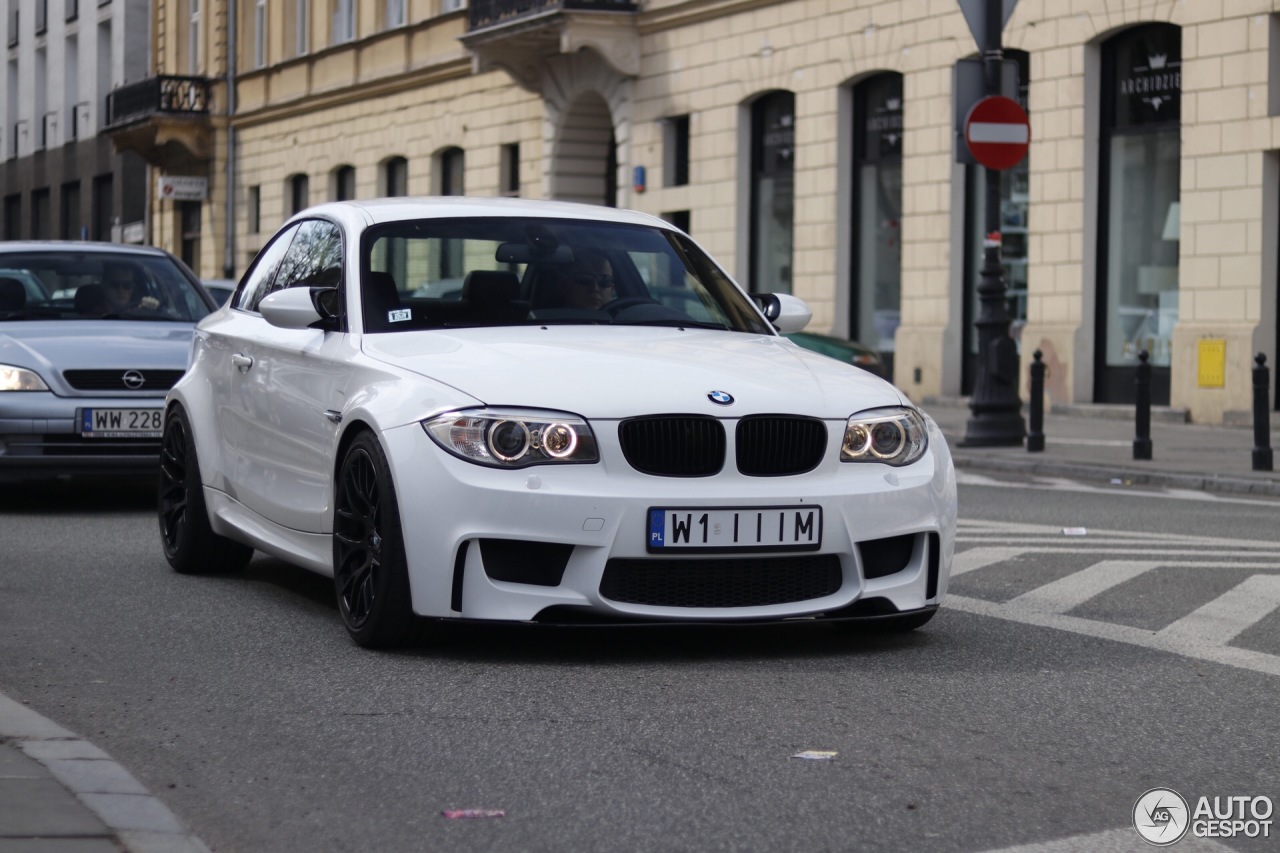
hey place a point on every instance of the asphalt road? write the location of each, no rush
(242, 704)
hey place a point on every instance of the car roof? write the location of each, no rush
(79, 246)
(379, 210)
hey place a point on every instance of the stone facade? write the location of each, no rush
(567, 85)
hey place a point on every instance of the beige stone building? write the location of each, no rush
(813, 146)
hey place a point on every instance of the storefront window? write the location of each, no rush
(877, 295)
(772, 191)
(1141, 153)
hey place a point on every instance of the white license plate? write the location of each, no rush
(121, 423)
(773, 528)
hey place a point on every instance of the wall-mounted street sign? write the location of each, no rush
(975, 13)
(182, 188)
(997, 132)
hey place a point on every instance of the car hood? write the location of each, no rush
(95, 344)
(612, 372)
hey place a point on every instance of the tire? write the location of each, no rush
(370, 570)
(190, 545)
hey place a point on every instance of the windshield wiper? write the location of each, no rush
(683, 324)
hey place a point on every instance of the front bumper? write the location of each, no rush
(40, 439)
(549, 543)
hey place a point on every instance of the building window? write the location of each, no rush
(1137, 305)
(299, 193)
(675, 151)
(189, 221)
(13, 217)
(254, 206)
(69, 227)
(452, 5)
(260, 33)
(395, 177)
(13, 23)
(678, 218)
(344, 21)
(772, 191)
(40, 215)
(509, 169)
(344, 183)
(103, 207)
(876, 301)
(193, 38)
(394, 11)
(301, 26)
(42, 16)
(1014, 206)
(72, 9)
(452, 166)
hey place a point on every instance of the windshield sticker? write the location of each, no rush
(399, 315)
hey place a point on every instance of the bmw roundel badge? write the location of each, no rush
(721, 398)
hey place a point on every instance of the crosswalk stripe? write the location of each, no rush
(1075, 589)
(978, 558)
(1223, 619)
(1113, 841)
(1226, 655)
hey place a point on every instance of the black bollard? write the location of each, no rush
(1261, 414)
(1035, 433)
(1142, 405)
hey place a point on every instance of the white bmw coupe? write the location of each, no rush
(532, 411)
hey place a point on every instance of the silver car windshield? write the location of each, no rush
(69, 285)
(458, 272)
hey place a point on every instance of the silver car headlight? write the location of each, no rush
(895, 436)
(514, 438)
(20, 379)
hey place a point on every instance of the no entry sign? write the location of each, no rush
(998, 132)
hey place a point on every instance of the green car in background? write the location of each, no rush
(850, 352)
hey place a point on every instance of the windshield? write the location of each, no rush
(449, 273)
(69, 285)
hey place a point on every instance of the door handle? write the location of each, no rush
(242, 362)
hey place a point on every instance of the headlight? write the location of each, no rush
(510, 438)
(20, 379)
(895, 436)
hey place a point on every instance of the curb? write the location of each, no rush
(140, 822)
(1139, 476)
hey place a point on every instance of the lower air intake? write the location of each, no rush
(755, 582)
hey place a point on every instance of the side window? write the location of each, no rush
(314, 259)
(264, 269)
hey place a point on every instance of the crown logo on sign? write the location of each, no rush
(893, 104)
(1158, 61)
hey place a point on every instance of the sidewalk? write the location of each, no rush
(1094, 443)
(61, 794)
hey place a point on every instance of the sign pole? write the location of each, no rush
(996, 410)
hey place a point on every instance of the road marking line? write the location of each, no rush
(1113, 840)
(977, 558)
(1075, 589)
(1177, 555)
(1226, 655)
(1223, 619)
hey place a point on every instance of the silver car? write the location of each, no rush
(92, 336)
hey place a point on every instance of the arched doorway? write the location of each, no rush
(584, 165)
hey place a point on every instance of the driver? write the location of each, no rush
(586, 283)
(124, 290)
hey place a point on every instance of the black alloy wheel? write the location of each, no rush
(190, 545)
(370, 574)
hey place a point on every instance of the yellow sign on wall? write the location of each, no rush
(1213, 363)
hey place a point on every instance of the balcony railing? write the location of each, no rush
(165, 94)
(489, 13)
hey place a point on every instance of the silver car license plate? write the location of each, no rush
(774, 528)
(121, 423)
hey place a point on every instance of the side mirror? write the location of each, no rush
(788, 314)
(300, 307)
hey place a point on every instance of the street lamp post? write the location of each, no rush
(996, 410)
